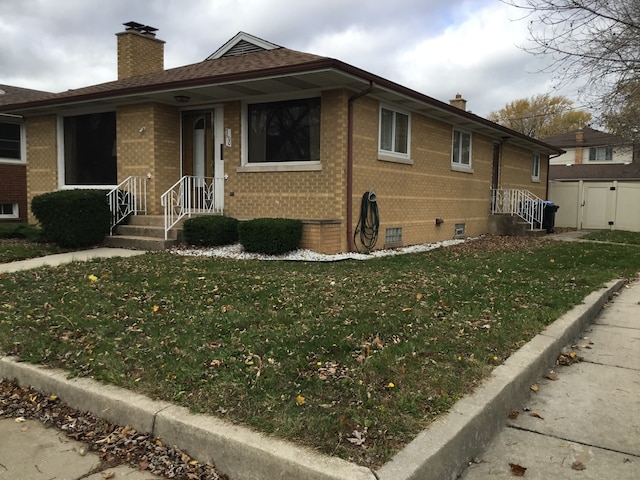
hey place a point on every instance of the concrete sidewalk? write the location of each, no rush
(62, 258)
(585, 424)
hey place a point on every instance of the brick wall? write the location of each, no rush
(42, 157)
(516, 168)
(411, 197)
(13, 187)
(139, 53)
(148, 142)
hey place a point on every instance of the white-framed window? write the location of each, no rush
(461, 149)
(395, 133)
(601, 154)
(286, 131)
(9, 210)
(535, 167)
(11, 141)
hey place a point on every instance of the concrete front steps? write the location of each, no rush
(504, 224)
(144, 232)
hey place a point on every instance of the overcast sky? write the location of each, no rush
(437, 47)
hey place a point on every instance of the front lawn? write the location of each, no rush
(614, 236)
(352, 358)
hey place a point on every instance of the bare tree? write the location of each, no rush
(587, 39)
(593, 42)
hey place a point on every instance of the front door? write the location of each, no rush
(202, 157)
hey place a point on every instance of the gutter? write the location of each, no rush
(352, 99)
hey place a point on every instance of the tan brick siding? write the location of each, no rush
(516, 169)
(139, 54)
(42, 157)
(411, 197)
(148, 139)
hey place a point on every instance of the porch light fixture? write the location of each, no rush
(181, 98)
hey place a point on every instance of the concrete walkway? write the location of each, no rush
(584, 421)
(589, 415)
(62, 258)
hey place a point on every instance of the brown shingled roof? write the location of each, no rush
(202, 73)
(10, 94)
(601, 172)
(590, 138)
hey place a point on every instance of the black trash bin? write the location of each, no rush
(549, 216)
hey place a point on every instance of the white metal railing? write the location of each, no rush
(522, 203)
(190, 195)
(130, 197)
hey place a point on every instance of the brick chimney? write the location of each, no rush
(139, 51)
(579, 149)
(459, 102)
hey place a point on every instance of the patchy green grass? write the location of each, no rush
(13, 250)
(614, 236)
(351, 358)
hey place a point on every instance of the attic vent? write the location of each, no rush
(242, 48)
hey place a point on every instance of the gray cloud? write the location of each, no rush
(431, 46)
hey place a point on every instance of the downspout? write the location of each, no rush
(352, 99)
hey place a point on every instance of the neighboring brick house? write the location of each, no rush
(258, 130)
(596, 182)
(13, 156)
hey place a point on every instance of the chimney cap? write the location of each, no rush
(139, 27)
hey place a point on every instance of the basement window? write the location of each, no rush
(9, 211)
(459, 230)
(393, 237)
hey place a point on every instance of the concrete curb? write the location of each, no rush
(442, 451)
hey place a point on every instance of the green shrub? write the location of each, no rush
(21, 230)
(73, 218)
(210, 231)
(270, 236)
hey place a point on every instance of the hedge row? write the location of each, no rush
(269, 236)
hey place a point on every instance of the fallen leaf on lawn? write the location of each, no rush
(513, 415)
(537, 415)
(24, 429)
(551, 376)
(357, 438)
(20, 420)
(534, 388)
(578, 466)
(143, 465)
(517, 470)
(300, 400)
(108, 475)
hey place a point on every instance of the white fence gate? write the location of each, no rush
(596, 205)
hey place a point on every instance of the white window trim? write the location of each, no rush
(459, 166)
(534, 177)
(274, 166)
(391, 156)
(23, 142)
(601, 147)
(11, 216)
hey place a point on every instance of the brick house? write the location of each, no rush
(258, 130)
(13, 166)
